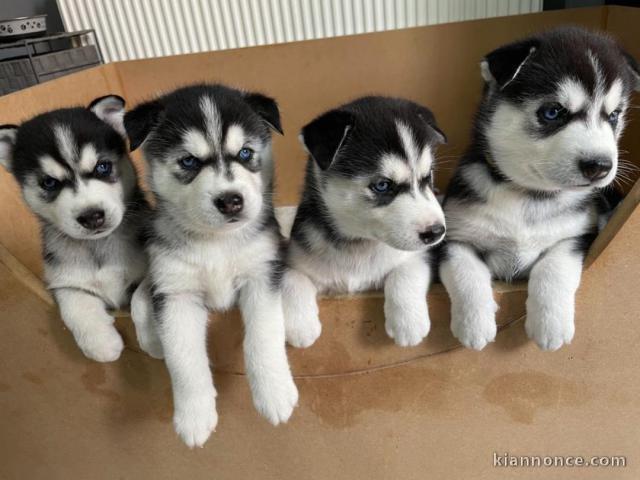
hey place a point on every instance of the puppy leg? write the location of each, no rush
(92, 327)
(468, 281)
(302, 325)
(142, 316)
(553, 282)
(274, 393)
(405, 303)
(182, 326)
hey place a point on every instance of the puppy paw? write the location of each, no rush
(474, 327)
(101, 343)
(303, 332)
(195, 419)
(550, 330)
(150, 343)
(407, 326)
(276, 397)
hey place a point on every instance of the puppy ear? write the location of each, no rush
(267, 108)
(110, 109)
(427, 117)
(324, 136)
(140, 121)
(500, 67)
(635, 69)
(8, 135)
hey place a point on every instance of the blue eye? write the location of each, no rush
(614, 116)
(103, 169)
(552, 112)
(381, 186)
(49, 183)
(190, 163)
(245, 154)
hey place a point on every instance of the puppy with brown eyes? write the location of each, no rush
(368, 215)
(214, 243)
(75, 174)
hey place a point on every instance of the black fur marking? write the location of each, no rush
(267, 108)
(158, 302)
(583, 243)
(278, 267)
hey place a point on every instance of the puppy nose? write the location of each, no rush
(595, 168)
(230, 203)
(91, 219)
(433, 233)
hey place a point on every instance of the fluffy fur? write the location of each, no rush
(367, 215)
(526, 198)
(215, 242)
(75, 175)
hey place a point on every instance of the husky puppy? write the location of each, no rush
(367, 217)
(215, 242)
(75, 174)
(525, 199)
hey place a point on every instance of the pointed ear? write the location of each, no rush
(110, 109)
(501, 67)
(427, 116)
(140, 121)
(635, 69)
(8, 135)
(267, 108)
(324, 136)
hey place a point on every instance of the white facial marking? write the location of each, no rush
(613, 98)
(411, 151)
(52, 168)
(395, 169)
(212, 121)
(572, 95)
(196, 143)
(235, 139)
(88, 158)
(66, 143)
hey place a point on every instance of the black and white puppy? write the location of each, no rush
(524, 201)
(367, 217)
(215, 242)
(75, 174)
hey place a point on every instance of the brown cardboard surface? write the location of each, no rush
(367, 409)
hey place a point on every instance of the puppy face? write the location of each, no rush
(373, 163)
(558, 105)
(72, 167)
(209, 152)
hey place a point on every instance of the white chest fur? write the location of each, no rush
(513, 229)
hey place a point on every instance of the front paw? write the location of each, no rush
(276, 397)
(304, 331)
(101, 343)
(549, 329)
(150, 343)
(195, 419)
(474, 327)
(407, 326)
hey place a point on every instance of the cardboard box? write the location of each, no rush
(368, 409)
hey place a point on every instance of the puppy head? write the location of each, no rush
(372, 160)
(209, 152)
(72, 166)
(556, 107)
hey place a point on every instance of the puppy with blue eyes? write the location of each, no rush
(528, 197)
(368, 215)
(75, 174)
(214, 243)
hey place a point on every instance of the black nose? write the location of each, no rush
(91, 219)
(229, 203)
(433, 233)
(595, 168)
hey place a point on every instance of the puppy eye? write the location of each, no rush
(103, 169)
(190, 163)
(245, 154)
(551, 112)
(382, 185)
(614, 116)
(50, 184)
